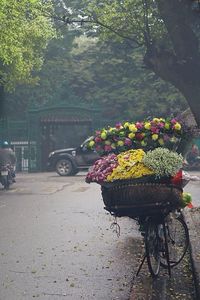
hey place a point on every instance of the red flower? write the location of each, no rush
(139, 136)
(98, 139)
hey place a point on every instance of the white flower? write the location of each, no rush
(163, 161)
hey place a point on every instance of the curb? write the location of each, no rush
(192, 219)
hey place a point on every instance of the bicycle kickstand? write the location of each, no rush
(141, 264)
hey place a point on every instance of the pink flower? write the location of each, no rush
(161, 125)
(139, 125)
(98, 132)
(107, 148)
(173, 121)
(154, 129)
(98, 148)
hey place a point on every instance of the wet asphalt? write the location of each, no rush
(56, 243)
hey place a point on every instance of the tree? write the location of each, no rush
(110, 74)
(26, 28)
(168, 33)
(83, 69)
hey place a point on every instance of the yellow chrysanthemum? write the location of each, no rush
(120, 143)
(132, 128)
(161, 141)
(126, 124)
(177, 126)
(147, 125)
(157, 120)
(130, 166)
(167, 125)
(104, 135)
(131, 135)
(154, 137)
(111, 129)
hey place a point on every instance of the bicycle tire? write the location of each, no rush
(177, 239)
(152, 246)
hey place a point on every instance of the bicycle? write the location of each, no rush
(156, 207)
(166, 240)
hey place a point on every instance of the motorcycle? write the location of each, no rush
(7, 174)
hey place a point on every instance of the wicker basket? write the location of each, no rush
(134, 200)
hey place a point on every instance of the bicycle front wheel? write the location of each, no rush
(152, 245)
(177, 239)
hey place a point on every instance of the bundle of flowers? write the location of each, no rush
(163, 161)
(130, 166)
(102, 168)
(126, 165)
(160, 162)
(146, 135)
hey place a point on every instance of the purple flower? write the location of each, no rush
(118, 125)
(127, 142)
(166, 137)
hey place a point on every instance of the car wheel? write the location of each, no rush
(75, 171)
(64, 167)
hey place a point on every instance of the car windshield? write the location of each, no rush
(86, 141)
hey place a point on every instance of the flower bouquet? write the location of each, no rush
(133, 181)
(147, 135)
(138, 165)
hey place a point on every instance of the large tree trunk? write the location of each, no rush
(181, 65)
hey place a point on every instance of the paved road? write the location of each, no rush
(56, 243)
(193, 187)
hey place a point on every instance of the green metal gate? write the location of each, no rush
(46, 129)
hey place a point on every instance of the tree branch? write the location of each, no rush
(147, 34)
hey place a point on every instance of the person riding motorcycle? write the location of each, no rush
(7, 157)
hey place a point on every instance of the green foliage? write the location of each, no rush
(107, 74)
(136, 20)
(112, 75)
(79, 67)
(25, 32)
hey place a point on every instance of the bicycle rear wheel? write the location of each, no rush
(152, 245)
(177, 239)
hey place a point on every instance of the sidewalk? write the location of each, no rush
(192, 218)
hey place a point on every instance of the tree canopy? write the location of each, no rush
(83, 69)
(26, 28)
(166, 30)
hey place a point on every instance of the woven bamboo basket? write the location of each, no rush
(134, 200)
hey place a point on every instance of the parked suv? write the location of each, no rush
(70, 161)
